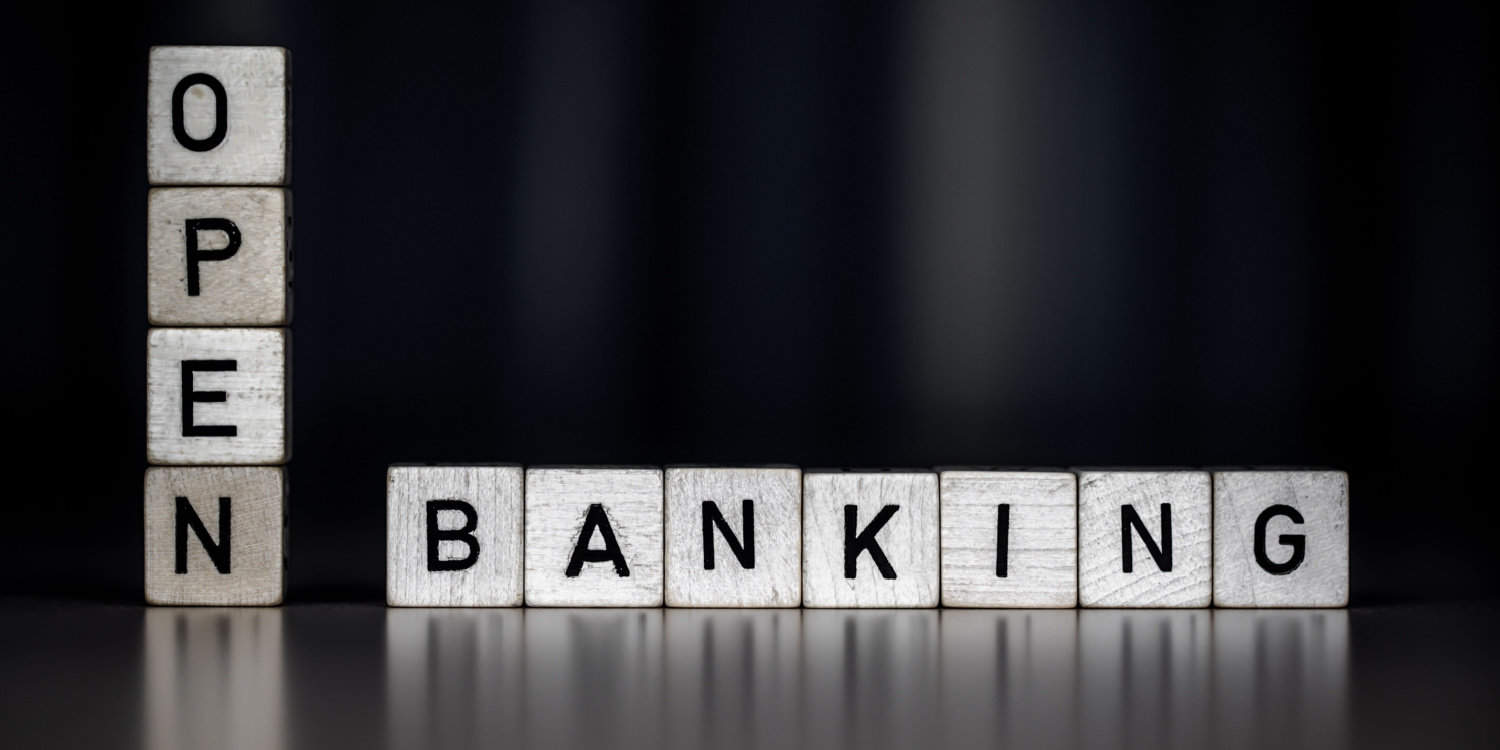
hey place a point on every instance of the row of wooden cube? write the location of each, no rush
(781, 537)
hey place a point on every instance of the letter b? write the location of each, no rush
(464, 534)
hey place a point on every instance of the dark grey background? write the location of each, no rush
(1046, 233)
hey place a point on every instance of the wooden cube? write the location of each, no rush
(217, 396)
(594, 537)
(218, 116)
(734, 537)
(454, 536)
(215, 535)
(218, 257)
(1281, 539)
(870, 539)
(1145, 539)
(1010, 538)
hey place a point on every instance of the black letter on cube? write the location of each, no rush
(1002, 548)
(596, 520)
(1297, 542)
(461, 534)
(187, 518)
(712, 517)
(196, 256)
(1163, 554)
(865, 540)
(221, 112)
(190, 397)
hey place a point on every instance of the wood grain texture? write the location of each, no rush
(909, 539)
(495, 577)
(557, 502)
(1321, 498)
(249, 288)
(256, 396)
(1102, 581)
(776, 579)
(255, 149)
(257, 498)
(1041, 556)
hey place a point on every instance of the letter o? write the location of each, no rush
(221, 112)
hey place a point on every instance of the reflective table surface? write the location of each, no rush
(343, 675)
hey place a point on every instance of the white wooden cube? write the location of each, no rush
(870, 539)
(1126, 557)
(215, 535)
(217, 396)
(454, 536)
(218, 116)
(218, 257)
(1010, 538)
(1281, 539)
(734, 537)
(594, 537)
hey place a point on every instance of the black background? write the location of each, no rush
(1045, 233)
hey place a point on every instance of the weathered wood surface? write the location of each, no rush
(255, 396)
(776, 497)
(250, 145)
(253, 552)
(189, 279)
(489, 545)
(909, 538)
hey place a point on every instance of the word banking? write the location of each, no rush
(504, 536)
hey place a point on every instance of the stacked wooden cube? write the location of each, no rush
(218, 436)
(504, 535)
(218, 242)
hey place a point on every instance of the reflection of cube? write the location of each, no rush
(218, 256)
(454, 536)
(1281, 539)
(1145, 539)
(734, 537)
(594, 537)
(218, 116)
(1010, 538)
(217, 396)
(214, 535)
(870, 539)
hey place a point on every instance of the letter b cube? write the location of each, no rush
(454, 536)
